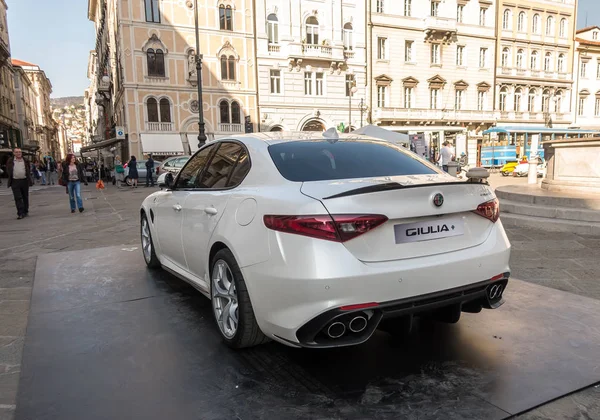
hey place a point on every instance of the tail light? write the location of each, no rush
(490, 210)
(337, 228)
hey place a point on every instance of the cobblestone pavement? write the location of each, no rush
(562, 261)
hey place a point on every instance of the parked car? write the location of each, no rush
(509, 168)
(172, 164)
(523, 168)
(141, 167)
(318, 239)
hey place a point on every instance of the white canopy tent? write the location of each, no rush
(383, 134)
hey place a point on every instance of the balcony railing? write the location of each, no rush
(230, 128)
(156, 79)
(159, 126)
(316, 50)
(562, 75)
(521, 72)
(435, 23)
(348, 54)
(506, 70)
(274, 48)
(535, 73)
(434, 114)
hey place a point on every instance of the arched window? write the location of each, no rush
(561, 63)
(506, 57)
(348, 36)
(273, 28)
(535, 24)
(152, 108)
(558, 101)
(531, 100)
(227, 67)
(563, 28)
(503, 97)
(152, 10)
(546, 100)
(522, 22)
(165, 110)
(156, 62)
(520, 55)
(224, 112)
(236, 115)
(518, 99)
(548, 62)
(312, 31)
(225, 18)
(550, 25)
(534, 60)
(507, 19)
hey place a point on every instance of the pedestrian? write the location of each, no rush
(42, 168)
(51, 171)
(119, 171)
(19, 179)
(133, 172)
(73, 174)
(446, 155)
(150, 171)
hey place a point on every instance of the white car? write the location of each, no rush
(317, 240)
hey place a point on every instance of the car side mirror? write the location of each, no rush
(166, 180)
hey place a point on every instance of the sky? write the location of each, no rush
(59, 38)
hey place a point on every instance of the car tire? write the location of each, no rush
(128, 181)
(150, 257)
(227, 288)
(504, 173)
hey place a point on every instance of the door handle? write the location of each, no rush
(177, 207)
(211, 210)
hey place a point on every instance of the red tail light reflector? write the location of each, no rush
(490, 210)
(337, 228)
(359, 306)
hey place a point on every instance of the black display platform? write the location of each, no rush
(108, 339)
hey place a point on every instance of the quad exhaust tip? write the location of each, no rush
(357, 324)
(495, 291)
(336, 330)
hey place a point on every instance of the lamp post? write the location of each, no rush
(351, 91)
(201, 133)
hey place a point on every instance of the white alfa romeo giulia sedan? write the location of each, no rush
(319, 239)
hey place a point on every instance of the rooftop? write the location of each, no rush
(21, 63)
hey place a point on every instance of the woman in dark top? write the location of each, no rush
(73, 175)
(133, 172)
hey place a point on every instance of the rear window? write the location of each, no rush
(303, 161)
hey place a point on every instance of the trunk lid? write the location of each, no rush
(416, 227)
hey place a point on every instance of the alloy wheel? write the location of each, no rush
(146, 240)
(224, 298)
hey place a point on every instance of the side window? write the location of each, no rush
(241, 169)
(221, 165)
(179, 163)
(189, 174)
(168, 164)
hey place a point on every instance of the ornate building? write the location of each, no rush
(145, 75)
(586, 98)
(9, 125)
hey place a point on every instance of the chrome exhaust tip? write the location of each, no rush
(336, 330)
(495, 292)
(358, 324)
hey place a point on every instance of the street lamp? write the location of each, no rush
(201, 133)
(353, 89)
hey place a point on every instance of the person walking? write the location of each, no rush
(133, 172)
(73, 174)
(150, 171)
(51, 171)
(446, 154)
(19, 179)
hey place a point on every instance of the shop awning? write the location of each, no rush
(162, 144)
(100, 145)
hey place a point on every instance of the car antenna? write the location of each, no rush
(331, 135)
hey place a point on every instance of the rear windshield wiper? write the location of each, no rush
(388, 186)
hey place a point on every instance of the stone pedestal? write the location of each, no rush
(573, 165)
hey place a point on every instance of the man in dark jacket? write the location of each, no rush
(19, 179)
(150, 171)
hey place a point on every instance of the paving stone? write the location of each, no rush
(10, 352)
(13, 325)
(8, 387)
(583, 405)
(546, 245)
(15, 293)
(15, 281)
(14, 307)
(571, 253)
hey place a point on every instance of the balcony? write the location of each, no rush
(348, 54)
(425, 115)
(521, 72)
(535, 73)
(316, 50)
(158, 80)
(562, 75)
(231, 128)
(274, 48)
(435, 24)
(159, 126)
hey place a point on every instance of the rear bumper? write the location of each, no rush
(305, 280)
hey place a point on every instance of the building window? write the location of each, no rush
(518, 99)
(598, 70)
(502, 99)
(225, 18)
(597, 108)
(460, 11)
(434, 98)
(156, 62)
(152, 108)
(458, 99)
(381, 46)
(312, 31)
(381, 96)
(408, 8)
(546, 100)
(482, 13)
(348, 37)
(481, 101)
(224, 112)
(548, 62)
(561, 63)
(408, 51)
(408, 97)
(581, 107)
(558, 102)
(507, 19)
(583, 73)
(379, 6)
(521, 22)
(534, 60)
(595, 35)
(273, 28)
(531, 101)
(535, 24)
(435, 8)
(319, 84)
(350, 83)
(520, 55)
(275, 81)
(563, 28)
(236, 113)
(165, 110)
(152, 10)
(460, 55)
(549, 26)
(483, 58)
(505, 57)
(227, 67)
(307, 83)
(435, 54)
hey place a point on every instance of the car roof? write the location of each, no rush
(275, 137)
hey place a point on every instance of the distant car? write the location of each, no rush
(172, 164)
(141, 167)
(317, 240)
